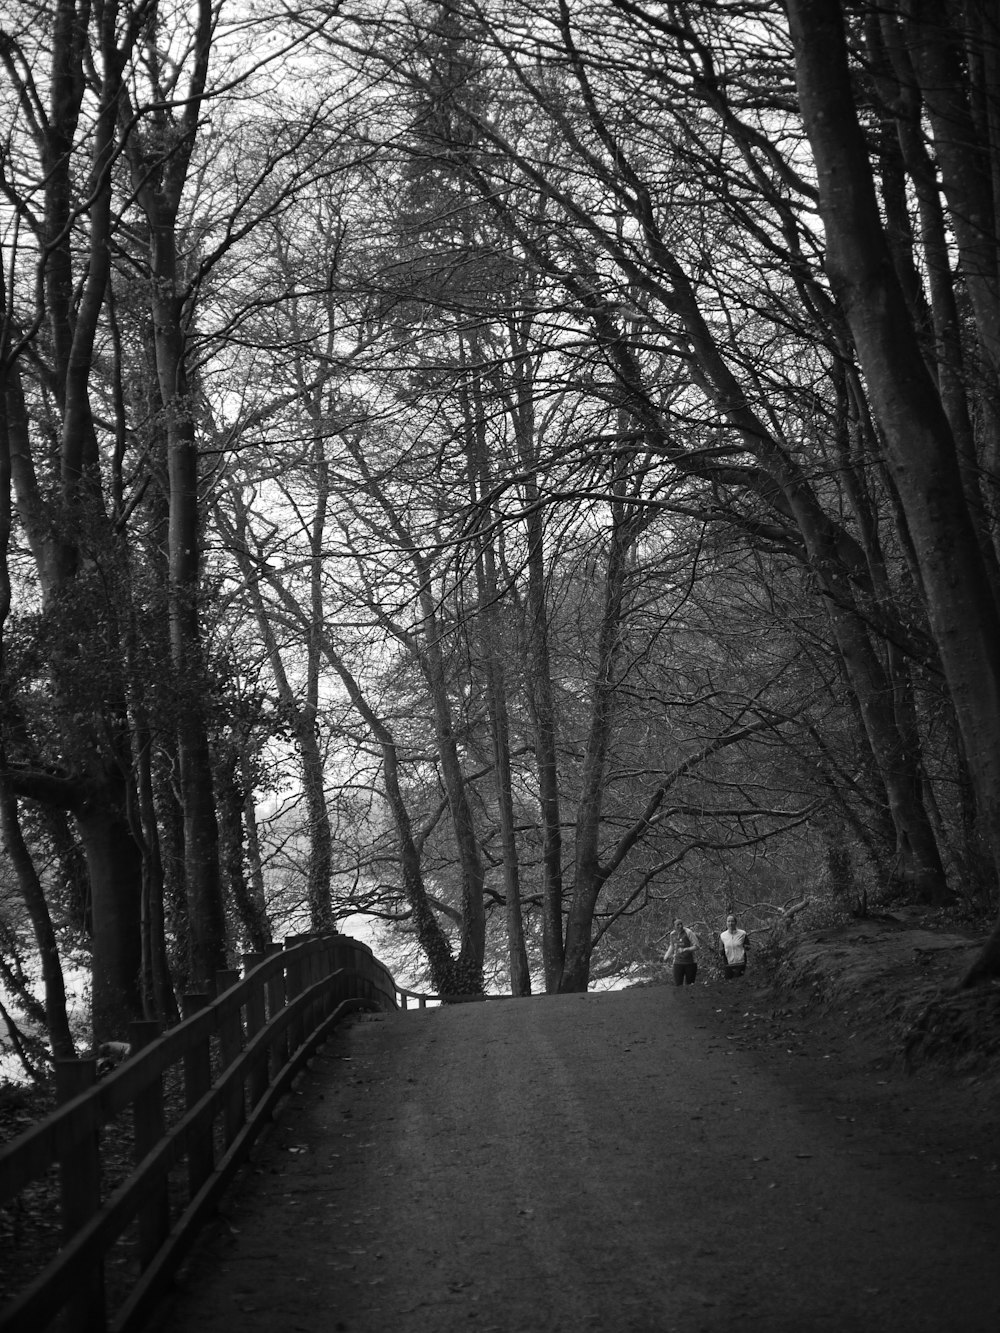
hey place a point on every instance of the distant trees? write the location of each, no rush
(706, 250)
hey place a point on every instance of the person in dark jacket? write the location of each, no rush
(681, 954)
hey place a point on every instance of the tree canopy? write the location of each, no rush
(516, 472)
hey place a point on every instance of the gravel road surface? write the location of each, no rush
(626, 1161)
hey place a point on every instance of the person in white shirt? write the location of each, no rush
(735, 943)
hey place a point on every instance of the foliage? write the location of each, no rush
(455, 475)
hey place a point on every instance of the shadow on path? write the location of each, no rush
(611, 1161)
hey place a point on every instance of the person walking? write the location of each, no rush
(735, 943)
(681, 954)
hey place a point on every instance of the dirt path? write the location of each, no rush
(629, 1161)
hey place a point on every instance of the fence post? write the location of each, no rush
(230, 1047)
(318, 971)
(293, 988)
(197, 1081)
(308, 978)
(342, 962)
(349, 964)
(148, 1119)
(80, 1197)
(324, 966)
(276, 996)
(256, 1018)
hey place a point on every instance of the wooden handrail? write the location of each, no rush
(402, 995)
(234, 1057)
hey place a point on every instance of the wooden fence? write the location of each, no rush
(181, 1112)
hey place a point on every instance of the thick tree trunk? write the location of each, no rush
(580, 929)
(201, 836)
(920, 446)
(589, 875)
(114, 864)
(201, 854)
(946, 59)
(158, 993)
(900, 91)
(918, 869)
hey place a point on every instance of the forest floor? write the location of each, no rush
(892, 979)
(875, 1003)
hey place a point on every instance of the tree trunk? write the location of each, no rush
(56, 1019)
(255, 910)
(589, 876)
(538, 672)
(303, 715)
(159, 144)
(496, 688)
(114, 864)
(832, 555)
(158, 992)
(918, 868)
(319, 869)
(520, 975)
(450, 975)
(431, 658)
(313, 772)
(170, 826)
(493, 659)
(201, 837)
(946, 59)
(59, 491)
(954, 376)
(229, 783)
(543, 715)
(473, 938)
(920, 446)
(206, 915)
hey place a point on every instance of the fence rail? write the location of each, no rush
(190, 1101)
